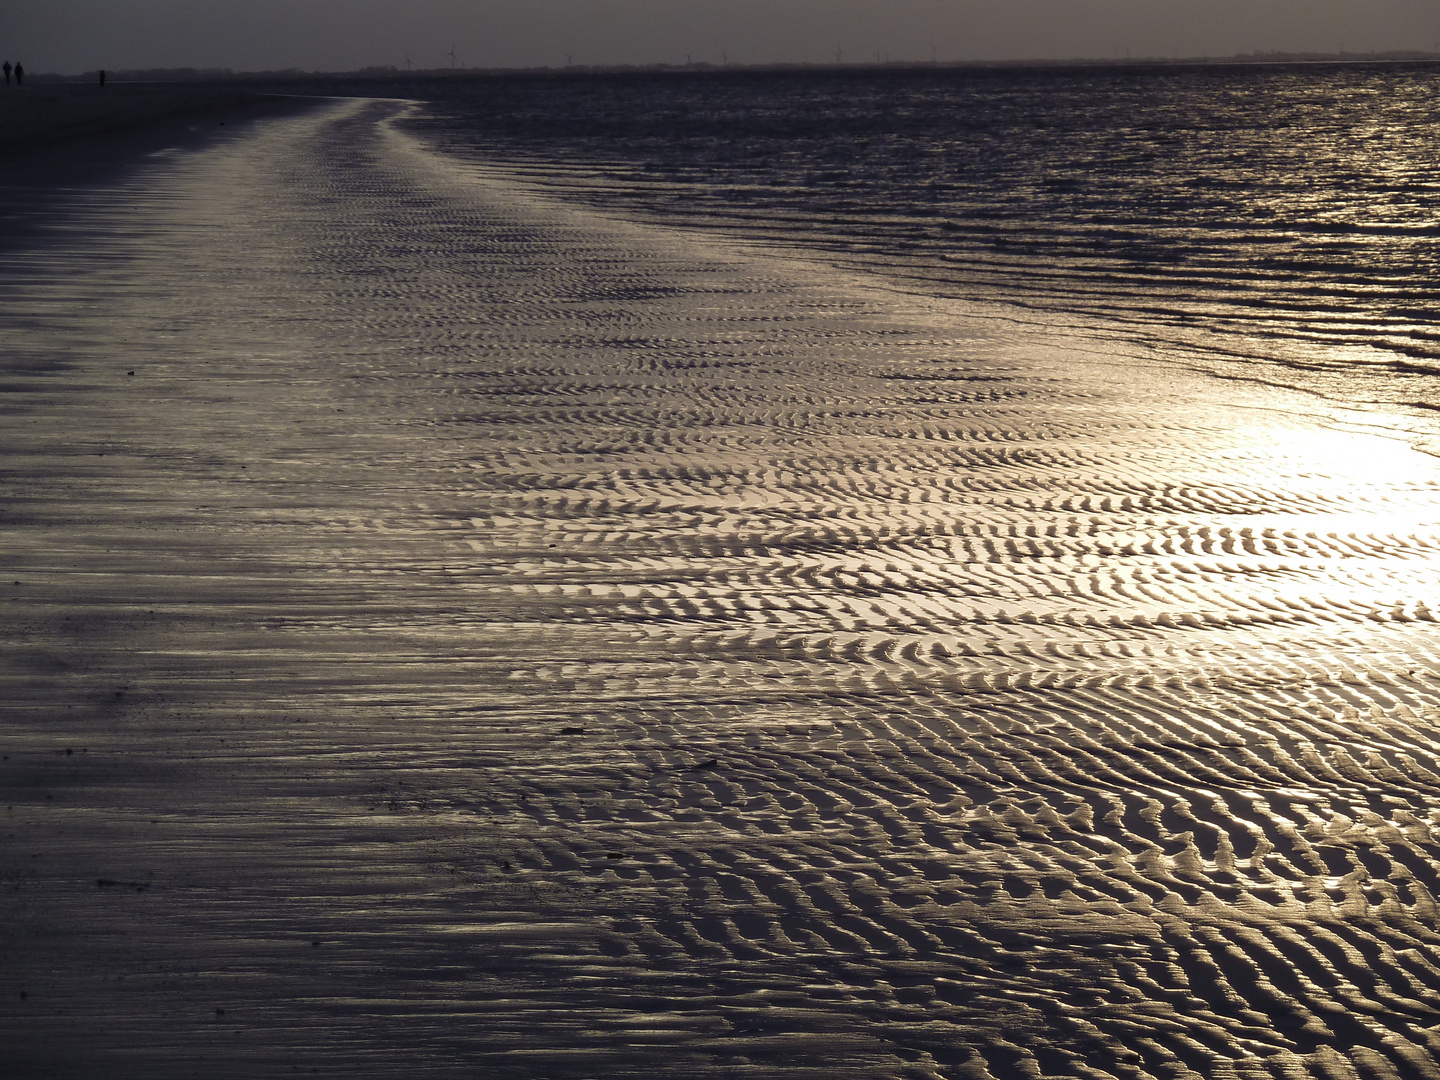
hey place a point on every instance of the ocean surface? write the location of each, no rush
(1272, 222)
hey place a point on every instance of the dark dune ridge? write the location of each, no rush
(455, 634)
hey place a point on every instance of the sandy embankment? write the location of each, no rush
(450, 635)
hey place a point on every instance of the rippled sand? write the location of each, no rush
(456, 635)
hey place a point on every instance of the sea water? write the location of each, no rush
(1271, 221)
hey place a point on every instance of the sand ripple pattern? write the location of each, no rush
(707, 665)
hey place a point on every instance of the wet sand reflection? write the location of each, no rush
(484, 635)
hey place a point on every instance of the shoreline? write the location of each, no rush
(863, 67)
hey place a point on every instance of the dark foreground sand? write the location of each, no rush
(451, 635)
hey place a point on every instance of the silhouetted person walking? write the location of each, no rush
(19, 74)
(7, 72)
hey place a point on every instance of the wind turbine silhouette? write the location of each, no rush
(451, 54)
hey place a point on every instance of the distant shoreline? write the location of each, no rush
(152, 76)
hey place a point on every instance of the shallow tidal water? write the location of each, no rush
(1268, 221)
(455, 631)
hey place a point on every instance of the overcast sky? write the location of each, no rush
(71, 36)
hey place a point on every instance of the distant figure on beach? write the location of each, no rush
(7, 72)
(19, 74)
(102, 76)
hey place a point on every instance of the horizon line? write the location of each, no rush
(385, 71)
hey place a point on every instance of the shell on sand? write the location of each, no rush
(454, 633)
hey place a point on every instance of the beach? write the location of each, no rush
(45, 114)
(457, 632)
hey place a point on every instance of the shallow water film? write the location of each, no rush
(455, 632)
(1274, 221)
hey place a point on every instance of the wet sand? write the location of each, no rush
(45, 114)
(454, 634)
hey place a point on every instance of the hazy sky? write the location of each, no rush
(78, 35)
